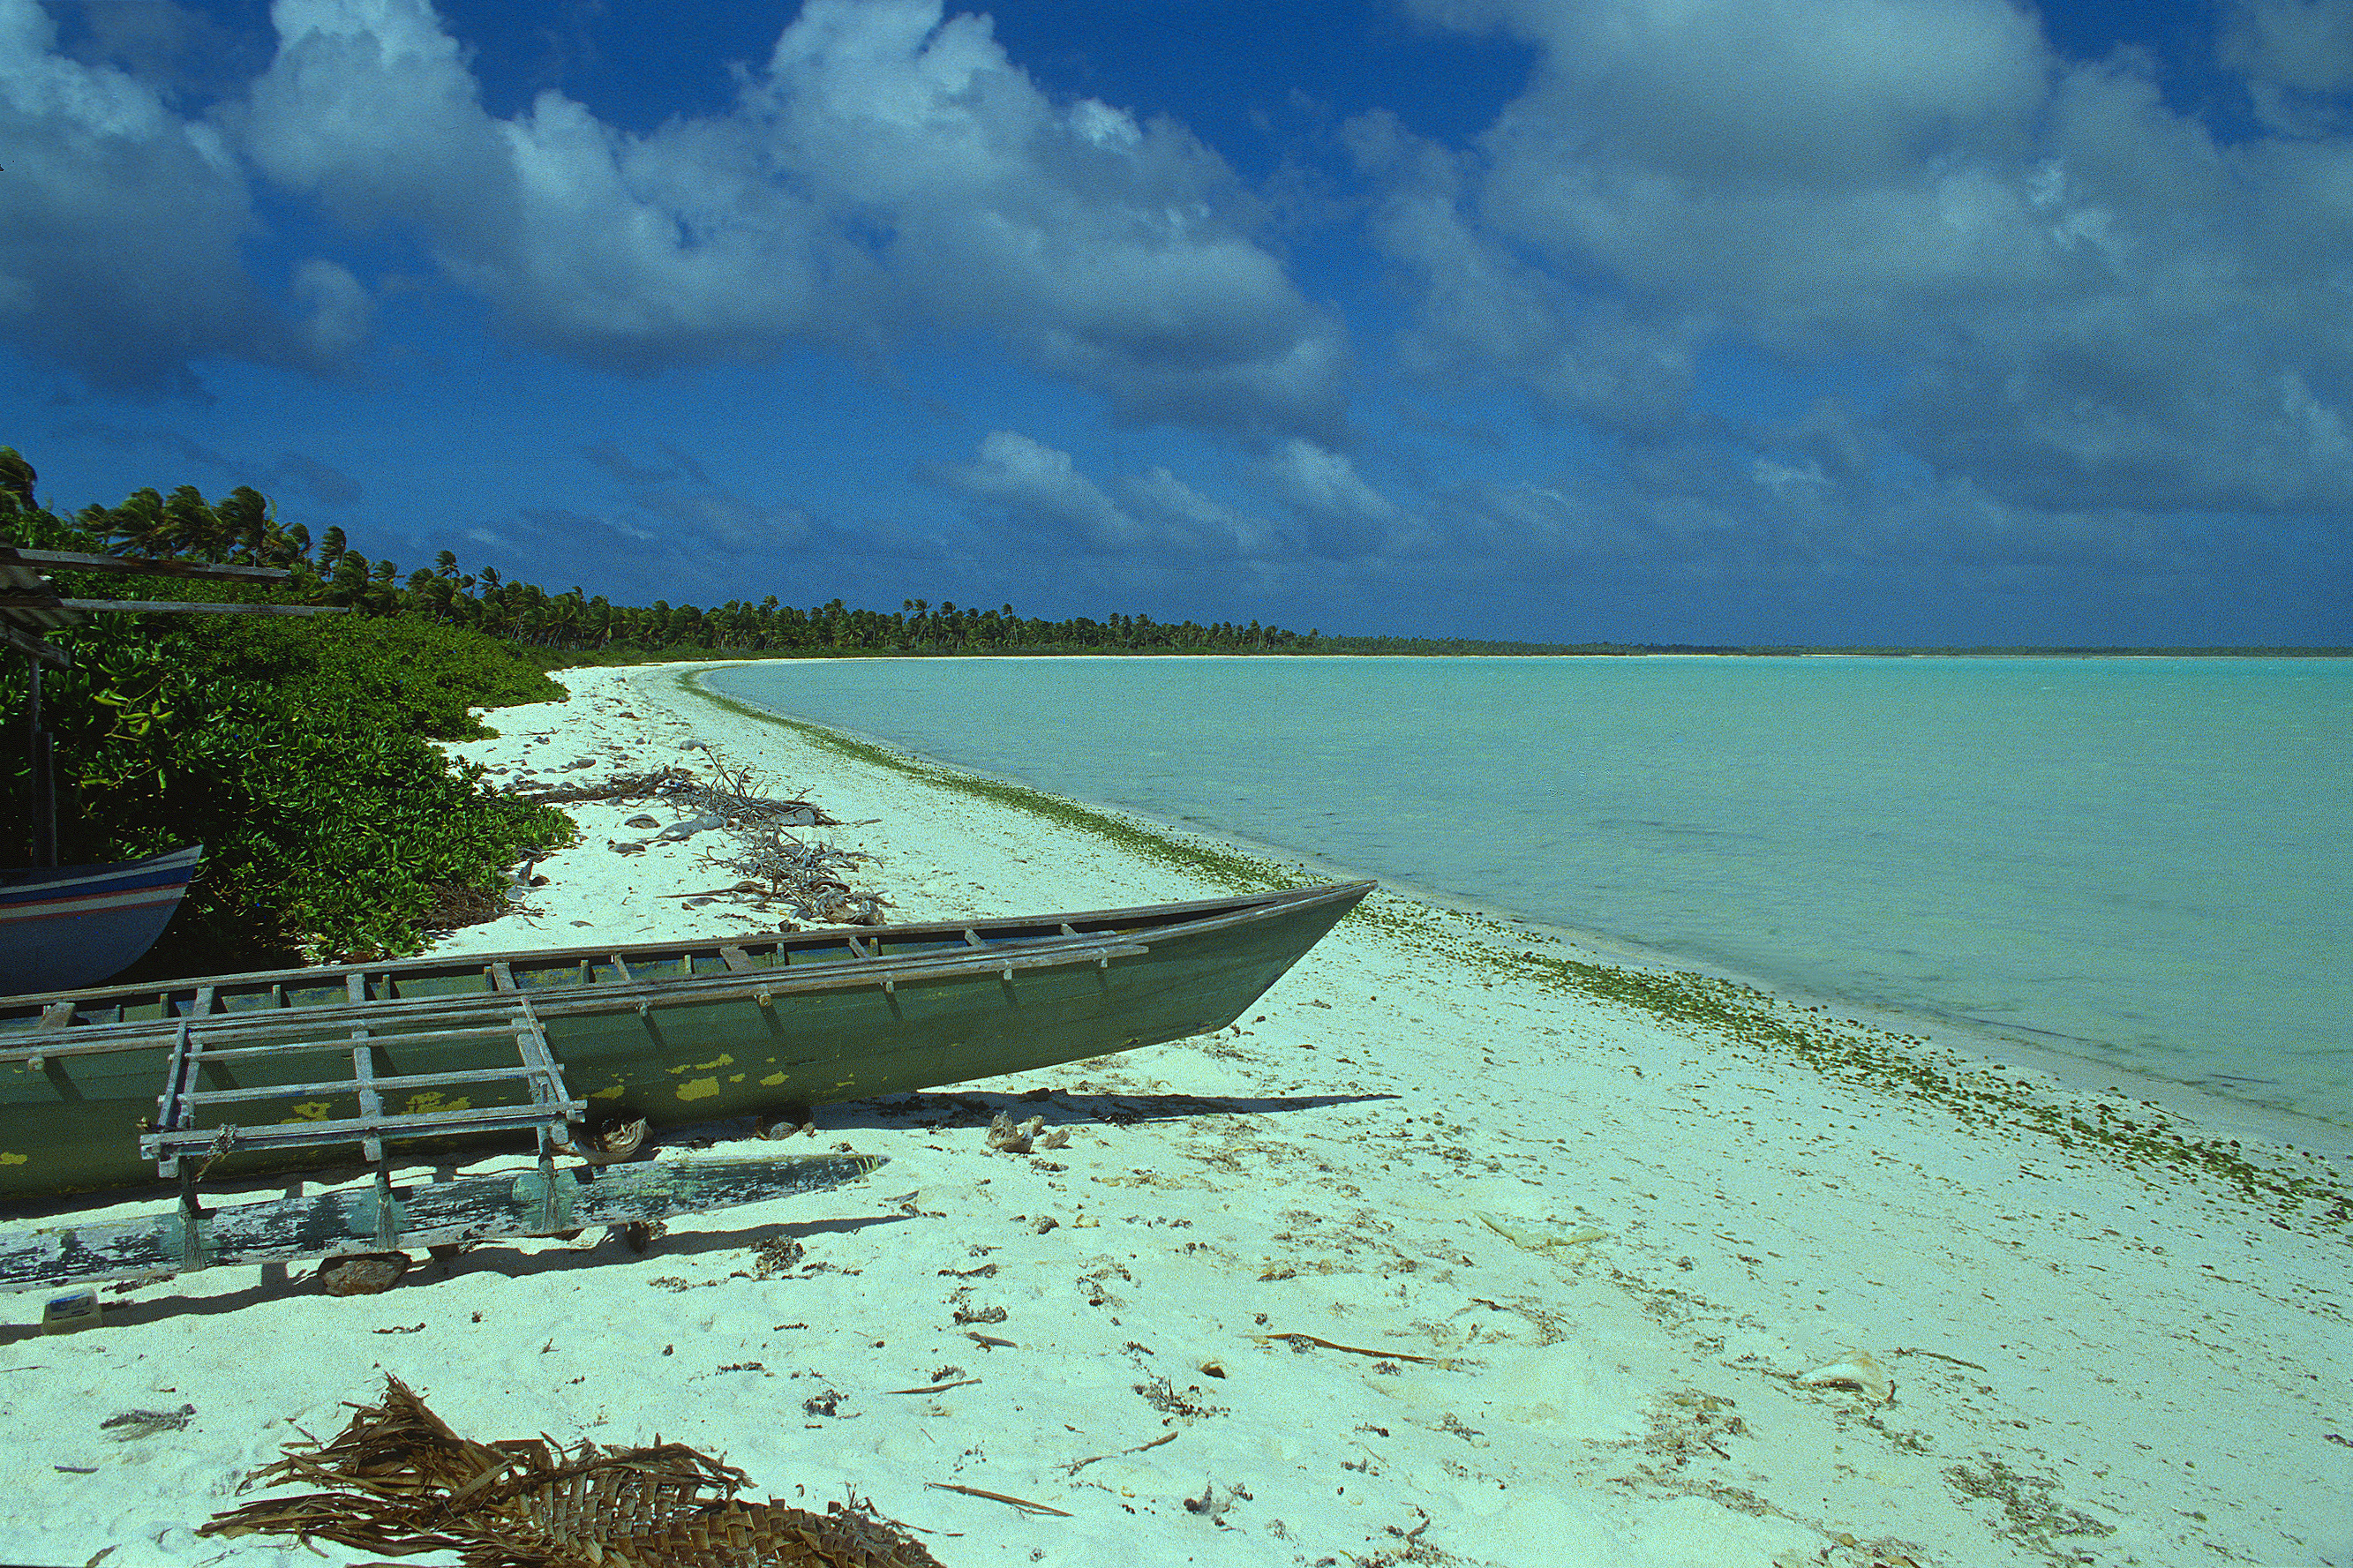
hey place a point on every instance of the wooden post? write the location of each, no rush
(45, 783)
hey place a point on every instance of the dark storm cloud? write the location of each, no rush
(614, 461)
(679, 503)
(326, 484)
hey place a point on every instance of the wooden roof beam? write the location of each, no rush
(159, 606)
(34, 648)
(75, 561)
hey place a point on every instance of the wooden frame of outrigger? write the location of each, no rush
(384, 1219)
(383, 1216)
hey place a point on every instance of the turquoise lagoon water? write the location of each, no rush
(2141, 862)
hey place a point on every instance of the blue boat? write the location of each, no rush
(67, 926)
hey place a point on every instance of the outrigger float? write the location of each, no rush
(248, 1075)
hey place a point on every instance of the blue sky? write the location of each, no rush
(1882, 322)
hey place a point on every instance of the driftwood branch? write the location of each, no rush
(1075, 1466)
(814, 882)
(1022, 1503)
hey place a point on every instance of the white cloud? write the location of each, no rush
(1184, 513)
(1317, 480)
(1037, 487)
(1345, 515)
(1832, 92)
(886, 169)
(1489, 316)
(1039, 492)
(2075, 297)
(120, 251)
(339, 309)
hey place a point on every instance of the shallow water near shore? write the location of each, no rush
(2138, 862)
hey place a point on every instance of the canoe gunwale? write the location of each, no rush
(19, 880)
(591, 999)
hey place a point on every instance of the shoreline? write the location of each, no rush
(1973, 1044)
(1452, 1250)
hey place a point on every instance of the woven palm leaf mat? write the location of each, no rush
(398, 1481)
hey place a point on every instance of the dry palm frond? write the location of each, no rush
(401, 1482)
(812, 881)
(727, 793)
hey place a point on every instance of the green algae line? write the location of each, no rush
(1228, 869)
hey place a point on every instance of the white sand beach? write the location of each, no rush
(1448, 1253)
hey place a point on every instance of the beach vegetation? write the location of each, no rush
(296, 751)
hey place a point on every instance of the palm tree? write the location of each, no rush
(196, 529)
(139, 523)
(17, 480)
(564, 614)
(244, 522)
(347, 581)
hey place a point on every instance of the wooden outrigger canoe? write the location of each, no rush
(113, 1087)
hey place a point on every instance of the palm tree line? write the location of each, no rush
(243, 527)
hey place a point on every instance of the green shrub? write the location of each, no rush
(295, 750)
(412, 674)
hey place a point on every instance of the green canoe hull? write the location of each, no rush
(673, 1034)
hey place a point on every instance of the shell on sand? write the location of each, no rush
(1545, 1238)
(1856, 1369)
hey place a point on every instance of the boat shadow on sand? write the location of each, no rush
(520, 1257)
(941, 1110)
(946, 1109)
